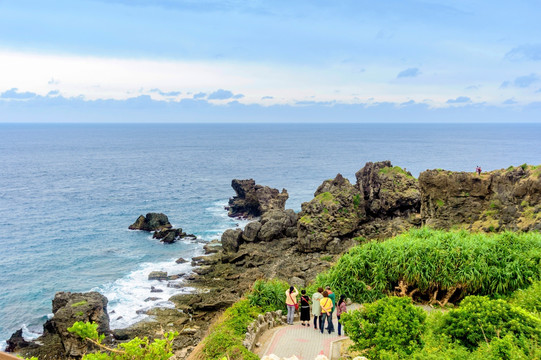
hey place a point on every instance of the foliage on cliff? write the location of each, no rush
(140, 349)
(437, 266)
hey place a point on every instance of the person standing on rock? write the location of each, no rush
(340, 309)
(326, 311)
(332, 296)
(305, 308)
(291, 302)
(316, 307)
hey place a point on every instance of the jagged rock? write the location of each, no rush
(251, 230)
(181, 261)
(16, 342)
(274, 224)
(71, 307)
(157, 275)
(152, 298)
(388, 191)
(155, 290)
(498, 200)
(151, 222)
(169, 236)
(254, 200)
(231, 239)
(335, 212)
(212, 247)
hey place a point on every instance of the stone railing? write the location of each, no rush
(263, 322)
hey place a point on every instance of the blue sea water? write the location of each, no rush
(69, 192)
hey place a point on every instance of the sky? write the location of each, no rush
(270, 61)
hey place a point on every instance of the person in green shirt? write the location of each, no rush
(332, 296)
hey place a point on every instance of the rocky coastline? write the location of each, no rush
(384, 201)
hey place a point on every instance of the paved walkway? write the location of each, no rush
(302, 341)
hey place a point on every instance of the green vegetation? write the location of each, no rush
(480, 319)
(268, 295)
(226, 335)
(391, 323)
(395, 170)
(306, 219)
(326, 197)
(439, 203)
(529, 299)
(437, 266)
(80, 303)
(326, 258)
(140, 349)
(356, 201)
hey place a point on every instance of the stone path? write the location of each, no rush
(304, 342)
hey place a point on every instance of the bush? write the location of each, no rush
(529, 299)
(140, 349)
(390, 324)
(269, 295)
(480, 320)
(437, 265)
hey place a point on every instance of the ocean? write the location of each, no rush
(68, 193)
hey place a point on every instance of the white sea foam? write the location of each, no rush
(127, 295)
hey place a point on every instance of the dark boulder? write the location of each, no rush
(231, 240)
(16, 342)
(169, 236)
(157, 275)
(151, 222)
(274, 224)
(250, 231)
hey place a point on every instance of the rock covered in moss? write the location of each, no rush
(498, 200)
(151, 222)
(336, 212)
(69, 308)
(389, 191)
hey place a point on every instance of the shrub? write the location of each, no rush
(437, 266)
(269, 295)
(160, 349)
(390, 324)
(481, 320)
(529, 299)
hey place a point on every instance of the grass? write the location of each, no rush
(395, 170)
(80, 303)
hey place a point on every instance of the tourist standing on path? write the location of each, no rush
(333, 298)
(316, 307)
(291, 301)
(326, 310)
(340, 309)
(305, 308)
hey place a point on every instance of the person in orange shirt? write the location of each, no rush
(326, 310)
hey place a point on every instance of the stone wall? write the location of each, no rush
(263, 323)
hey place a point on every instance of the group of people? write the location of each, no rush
(323, 304)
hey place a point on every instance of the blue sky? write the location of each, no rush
(232, 60)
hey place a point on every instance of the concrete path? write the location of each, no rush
(304, 342)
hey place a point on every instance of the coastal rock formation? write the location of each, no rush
(71, 307)
(498, 200)
(169, 236)
(151, 222)
(254, 200)
(16, 342)
(389, 191)
(276, 224)
(335, 213)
